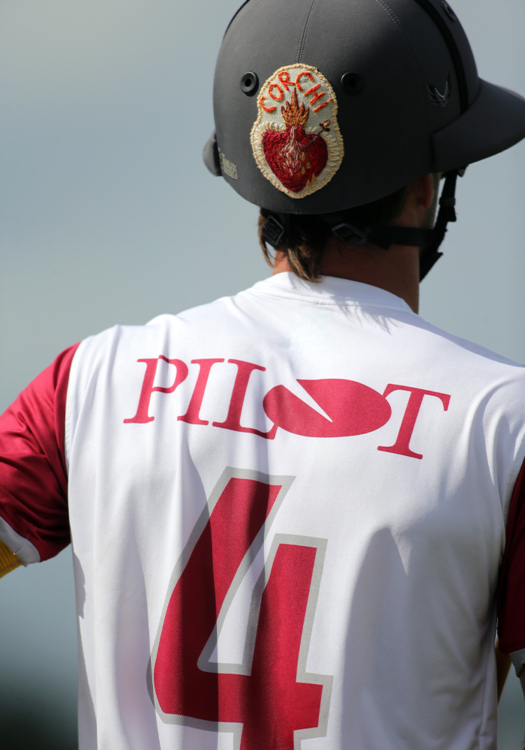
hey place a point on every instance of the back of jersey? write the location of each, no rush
(288, 512)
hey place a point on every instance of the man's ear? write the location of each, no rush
(424, 191)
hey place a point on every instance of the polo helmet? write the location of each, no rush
(325, 105)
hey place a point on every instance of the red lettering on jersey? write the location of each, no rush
(270, 702)
(233, 420)
(353, 408)
(192, 415)
(142, 415)
(401, 446)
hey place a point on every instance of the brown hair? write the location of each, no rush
(305, 236)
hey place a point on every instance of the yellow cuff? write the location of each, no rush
(8, 561)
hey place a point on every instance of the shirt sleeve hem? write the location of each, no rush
(518, 659)
(26, 552)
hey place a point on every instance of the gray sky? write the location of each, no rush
(108, 216)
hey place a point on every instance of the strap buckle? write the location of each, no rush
(350, 234)
(272, 231)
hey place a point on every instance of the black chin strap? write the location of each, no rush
(447, 212)
(429, 240)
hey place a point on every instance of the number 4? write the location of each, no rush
(269, 700)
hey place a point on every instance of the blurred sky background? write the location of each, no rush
(107, 215)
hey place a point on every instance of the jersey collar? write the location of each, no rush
(331, 289)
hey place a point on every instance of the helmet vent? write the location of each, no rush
(249, 83)
(352, 84)
(448, 10)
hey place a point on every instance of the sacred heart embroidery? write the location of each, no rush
(296, 139)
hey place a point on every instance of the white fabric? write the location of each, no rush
(404, 625)
(26, 552)
(518, 660)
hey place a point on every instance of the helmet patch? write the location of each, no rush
(296, 140)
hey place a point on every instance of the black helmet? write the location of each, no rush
(324, 105)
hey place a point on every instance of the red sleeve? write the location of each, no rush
(511, 587)
(33, 476)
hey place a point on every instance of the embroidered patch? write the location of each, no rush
(296, 140)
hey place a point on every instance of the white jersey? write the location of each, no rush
(288, 512)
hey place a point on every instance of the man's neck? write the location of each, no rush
(395, 270)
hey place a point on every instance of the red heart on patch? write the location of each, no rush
(296, 158)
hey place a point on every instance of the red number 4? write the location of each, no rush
(269, 700)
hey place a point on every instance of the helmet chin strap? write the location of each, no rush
(429, 240)
(447, 212)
